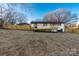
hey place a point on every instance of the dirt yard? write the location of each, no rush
(27, 43)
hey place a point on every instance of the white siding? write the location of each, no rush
(49, 26)
(41, 26)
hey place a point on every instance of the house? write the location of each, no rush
(23, 24)
(48, 26)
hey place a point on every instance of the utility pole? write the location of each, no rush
(1, 12)
(1, 17)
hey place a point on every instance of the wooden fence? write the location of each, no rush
(71, 28)
(18, 27)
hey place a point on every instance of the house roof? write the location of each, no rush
(23, 24)
(46, 22)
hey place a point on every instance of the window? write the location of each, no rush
(55, 24)
(44, 24)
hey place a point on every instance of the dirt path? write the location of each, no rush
(13, 42)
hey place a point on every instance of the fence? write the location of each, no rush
(71, 28)
(17, 27)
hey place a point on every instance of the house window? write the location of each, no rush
(44, 24)
(51, 24)
(59, 24)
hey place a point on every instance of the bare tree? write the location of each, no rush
(12, 16)
(21, 18)
(60, 15)
(1, 14)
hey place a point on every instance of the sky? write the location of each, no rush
(36, 11)
(42, 9)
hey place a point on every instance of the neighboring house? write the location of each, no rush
(48, 26)
(23, 24)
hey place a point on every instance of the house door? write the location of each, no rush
(35, 25)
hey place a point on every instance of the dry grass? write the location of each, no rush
(26, 43)
(18, 27)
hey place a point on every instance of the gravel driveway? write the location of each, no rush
(26, 43)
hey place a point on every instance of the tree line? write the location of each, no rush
(10, 15)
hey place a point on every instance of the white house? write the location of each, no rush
(48, 26)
